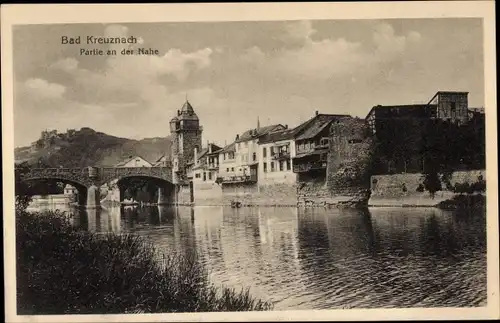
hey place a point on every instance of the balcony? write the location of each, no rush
(317, 165)
(323, 146)
(213, 166)
(281, 155)
(237, 179)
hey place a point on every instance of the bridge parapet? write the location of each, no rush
(98, 176)
(109, 173)
(76, 175)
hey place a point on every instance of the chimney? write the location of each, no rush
(316, 113)
(195, 154)
(258, 123)
(237, 136)
(286, 126)
(178, 112)
(209, 148)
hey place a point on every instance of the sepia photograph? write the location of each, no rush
(249, 165)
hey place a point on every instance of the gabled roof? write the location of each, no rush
(315, 125)
(229, 148)
(215, 149)
(130, 159)
(280, 135)
(258, 132)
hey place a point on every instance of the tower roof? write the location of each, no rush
(187, 112)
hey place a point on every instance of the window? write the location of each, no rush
(197, 175)
(227, 170)
(271, 151)
(254, 156)
(324, 141)
(272, 166)
(232, 169)
(264, 152)
(210, 175)
(265, 167)
(282, 164)
(204, 176)
(288, 164)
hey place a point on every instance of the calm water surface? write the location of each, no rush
(323, 259)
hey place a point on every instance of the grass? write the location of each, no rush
(65, 270)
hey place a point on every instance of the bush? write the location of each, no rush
(65, 270)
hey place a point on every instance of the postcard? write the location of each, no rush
(248, 162)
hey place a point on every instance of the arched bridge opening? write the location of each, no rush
(45, 187)
(139, 189)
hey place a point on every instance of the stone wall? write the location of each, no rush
(402, 189)
(182, 195)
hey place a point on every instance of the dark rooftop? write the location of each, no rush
(258, 132)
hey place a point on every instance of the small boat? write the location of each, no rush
(129, 202)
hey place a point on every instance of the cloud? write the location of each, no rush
(68, 65)
(327, 58)
(301, 30)
(44, 89)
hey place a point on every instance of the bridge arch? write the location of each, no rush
(81, 187)
(153, 189)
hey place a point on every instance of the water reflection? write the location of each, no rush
(318, 258)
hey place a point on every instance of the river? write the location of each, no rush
(322, 258)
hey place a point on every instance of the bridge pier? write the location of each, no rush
(161, 196)
(93, 200)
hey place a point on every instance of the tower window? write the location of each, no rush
(254, 156)
(264, 152)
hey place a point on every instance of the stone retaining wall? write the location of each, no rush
(402, 189)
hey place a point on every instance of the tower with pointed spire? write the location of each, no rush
(186, 135)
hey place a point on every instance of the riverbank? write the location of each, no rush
(65, 270)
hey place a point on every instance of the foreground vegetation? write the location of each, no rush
(65, 270)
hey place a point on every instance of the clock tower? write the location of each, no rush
(186, 134)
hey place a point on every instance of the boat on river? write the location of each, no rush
(130, 202)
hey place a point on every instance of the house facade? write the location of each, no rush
(244, 168)
(312, 141)
(276, 152)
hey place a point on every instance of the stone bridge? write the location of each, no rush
(88, 180)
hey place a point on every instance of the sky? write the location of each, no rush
(235, 72)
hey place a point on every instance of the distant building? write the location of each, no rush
(246, 154)
(134, 161)
(276, 151)
(70, 190)
(227, 162)
(205, 165)
(444, 105)
(162, 161)
(312, 140)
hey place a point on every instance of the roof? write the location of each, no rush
(258, 132)
(315, 125)
(185, 113)
(229, 148)
(215, 149)
(279, 135)
(406, 108)
(447, 92)
(123, 162)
